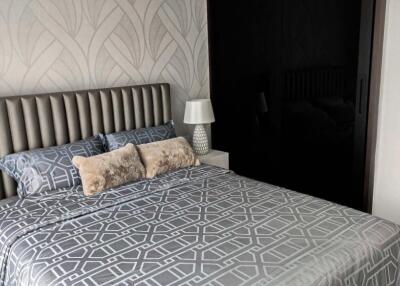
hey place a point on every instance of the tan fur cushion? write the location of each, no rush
(109, 169)
(167, 155)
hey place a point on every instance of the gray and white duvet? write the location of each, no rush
(196, 226)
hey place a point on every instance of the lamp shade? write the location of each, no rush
(199, 111)
(261, 103)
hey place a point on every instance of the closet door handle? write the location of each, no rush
(361, 95)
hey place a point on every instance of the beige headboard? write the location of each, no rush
(36, 121)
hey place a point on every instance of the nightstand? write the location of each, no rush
(216, 158)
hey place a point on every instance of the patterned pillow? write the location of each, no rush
(118, 140)
(49, 168)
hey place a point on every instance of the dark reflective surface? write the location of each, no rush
(303, 56)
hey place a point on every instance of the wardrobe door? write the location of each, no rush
(290, 86)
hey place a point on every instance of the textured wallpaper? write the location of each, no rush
(56, 45)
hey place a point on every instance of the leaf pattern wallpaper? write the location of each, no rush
(61, 45)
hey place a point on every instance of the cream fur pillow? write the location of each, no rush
(167, 155)
(109, 169)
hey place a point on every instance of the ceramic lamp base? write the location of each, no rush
(200, 140)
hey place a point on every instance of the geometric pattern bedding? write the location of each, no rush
(195, 226)
(139, 136)
(49, 168)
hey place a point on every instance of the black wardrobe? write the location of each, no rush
(290, 85)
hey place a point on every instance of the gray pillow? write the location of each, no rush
(49, 168)
(118, 140)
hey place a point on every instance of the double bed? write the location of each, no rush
(193, 226)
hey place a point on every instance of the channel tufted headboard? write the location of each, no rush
(36, 121)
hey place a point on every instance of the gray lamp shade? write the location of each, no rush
(199, 111)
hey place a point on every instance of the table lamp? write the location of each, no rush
(199, 112)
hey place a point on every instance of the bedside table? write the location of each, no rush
(216, 158)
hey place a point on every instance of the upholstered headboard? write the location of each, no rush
(312, 83)
(36, 121)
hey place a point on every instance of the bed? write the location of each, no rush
(318, 106)
(194, 226)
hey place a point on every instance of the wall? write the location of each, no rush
(386, 201)
(63, 45)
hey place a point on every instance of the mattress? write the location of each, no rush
(195, 226)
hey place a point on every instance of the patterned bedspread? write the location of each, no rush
(196, 226)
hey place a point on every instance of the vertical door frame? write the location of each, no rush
(373, 101)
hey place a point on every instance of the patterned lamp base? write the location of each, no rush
(200, 140)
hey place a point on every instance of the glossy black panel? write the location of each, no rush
(285, 82)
